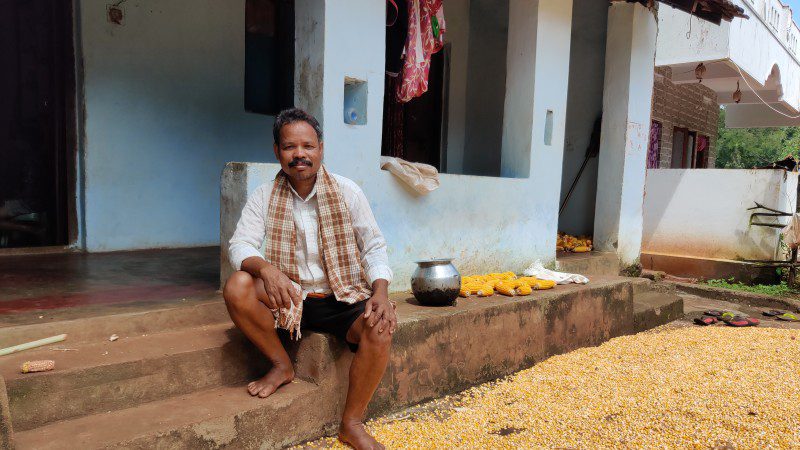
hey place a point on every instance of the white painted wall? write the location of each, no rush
(630, 53)
(164, 111)
(752, 45)
(485, 223)
(703, 213)
(585, 103)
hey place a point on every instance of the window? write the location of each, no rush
(269, 56)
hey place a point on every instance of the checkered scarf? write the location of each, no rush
(340, 253)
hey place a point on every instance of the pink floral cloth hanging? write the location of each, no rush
(420, 45)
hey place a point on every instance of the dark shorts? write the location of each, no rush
(327, 315)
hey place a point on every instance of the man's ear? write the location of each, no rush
(321, 151)
(275, 150)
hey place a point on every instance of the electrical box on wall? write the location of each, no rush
(355, 101)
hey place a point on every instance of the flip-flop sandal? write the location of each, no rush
(706, 320)
(727, 315)
(739, 321)
(789, 317)
(773, 313)
(713, 313)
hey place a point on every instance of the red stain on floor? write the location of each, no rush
(102, 297)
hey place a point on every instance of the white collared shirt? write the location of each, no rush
(248, 239)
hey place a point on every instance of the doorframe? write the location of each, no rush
(72, 103)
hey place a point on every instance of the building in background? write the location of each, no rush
(701, 223)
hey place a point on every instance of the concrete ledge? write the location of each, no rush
(436, 351)
(709, 269)
(746, 298)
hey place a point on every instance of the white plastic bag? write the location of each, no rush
(537, 270)
(423, 178)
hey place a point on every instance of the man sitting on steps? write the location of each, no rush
(319, 233)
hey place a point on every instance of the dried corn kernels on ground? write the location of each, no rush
(670, 388)
(567, 243)
(506, 283)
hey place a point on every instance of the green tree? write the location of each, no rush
(744, 148)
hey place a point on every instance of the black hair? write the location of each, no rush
(292, 115)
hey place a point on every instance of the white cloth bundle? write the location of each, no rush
(537, 270)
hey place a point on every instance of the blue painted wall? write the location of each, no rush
(164, 111)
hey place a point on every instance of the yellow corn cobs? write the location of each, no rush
(565, 242)
(505, 283)
(38, 366)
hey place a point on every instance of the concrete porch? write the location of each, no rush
(176, 376)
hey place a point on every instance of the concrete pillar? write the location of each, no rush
(630, 58)
(339, 42)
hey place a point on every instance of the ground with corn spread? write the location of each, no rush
(671, 387)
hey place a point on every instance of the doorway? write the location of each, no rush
(415, 131)
(37, 118)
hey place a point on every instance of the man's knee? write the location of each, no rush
(373, 338)
(238, 288)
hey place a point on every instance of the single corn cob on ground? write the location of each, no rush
(38, 366)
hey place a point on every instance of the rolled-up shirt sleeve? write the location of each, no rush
(251, 230)
(374, 258)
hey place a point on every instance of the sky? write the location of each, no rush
(795, 5)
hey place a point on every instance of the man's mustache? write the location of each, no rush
(297, 161)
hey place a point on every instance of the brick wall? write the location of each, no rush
(693, 106)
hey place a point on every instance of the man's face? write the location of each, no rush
(299, 151)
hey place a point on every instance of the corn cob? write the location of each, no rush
(505, 288)
(524, 289)
(38, 366)
(486, 290)
(464, 291)
(581, 249)
(543, 284)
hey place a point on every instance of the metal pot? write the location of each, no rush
(436, 282)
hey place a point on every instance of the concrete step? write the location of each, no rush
(436, 351)
(212, 418)
(654, 308)
(590, 264)
(92, 329)
(106, 376)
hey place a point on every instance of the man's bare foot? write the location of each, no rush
(269, 383)
(357, 437)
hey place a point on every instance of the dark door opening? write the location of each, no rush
(36, 123)
(415, 131)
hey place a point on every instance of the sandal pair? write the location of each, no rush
(782, 315)
(713, 316)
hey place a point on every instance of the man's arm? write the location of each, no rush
(375, 261)
(245, 254)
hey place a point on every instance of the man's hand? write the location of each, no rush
(280, 290)
(379, 311)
